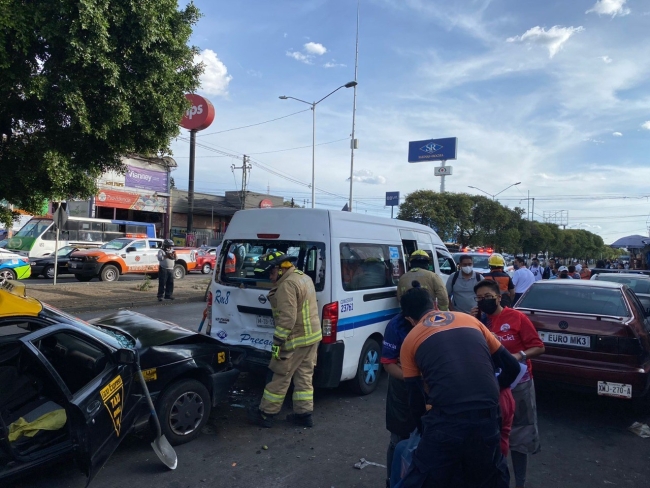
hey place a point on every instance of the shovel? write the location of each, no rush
(160, 445)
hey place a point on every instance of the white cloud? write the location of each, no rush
(285, 34)
(610, 7)
(365, 176)
(617, 134)
(315, 48)
(298, 56)
(215, 78)
(595, 141)
(333, 64)
(606, 59)
(646, 124)
(553, 39)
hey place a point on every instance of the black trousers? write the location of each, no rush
(165, 282)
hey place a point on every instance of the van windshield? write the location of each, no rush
(240, 256)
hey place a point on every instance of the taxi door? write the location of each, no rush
(100, 411)
(136, 256)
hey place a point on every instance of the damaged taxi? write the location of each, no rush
(67, 387)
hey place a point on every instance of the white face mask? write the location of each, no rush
(467, 269)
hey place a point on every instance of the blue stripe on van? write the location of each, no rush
(357, 321)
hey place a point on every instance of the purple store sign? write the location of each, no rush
(145, 179)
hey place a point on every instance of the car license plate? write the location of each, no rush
(619, 390)
(72, 265)
(265, 321)
(560, 339)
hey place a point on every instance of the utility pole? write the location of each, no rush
(353, 141)
(245, 167)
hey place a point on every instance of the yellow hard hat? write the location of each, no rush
(419, 255)
(496, 260)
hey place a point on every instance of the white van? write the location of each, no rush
(355, 261)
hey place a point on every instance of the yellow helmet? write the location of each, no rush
(419, 255)
(272, 259)
(496, 260)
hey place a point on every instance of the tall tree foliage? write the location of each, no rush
(474, 220)
(83, 82)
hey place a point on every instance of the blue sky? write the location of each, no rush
(553, 94)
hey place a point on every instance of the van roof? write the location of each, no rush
(265, 220)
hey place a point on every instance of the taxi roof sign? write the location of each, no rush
(14, 301)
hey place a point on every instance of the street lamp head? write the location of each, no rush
(518, 183)
(350, 84)
(282, 97)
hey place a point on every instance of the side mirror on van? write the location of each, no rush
(131, 249)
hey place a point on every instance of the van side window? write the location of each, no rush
(370, 266)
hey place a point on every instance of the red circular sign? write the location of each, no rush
(200, 115)
(266, 203)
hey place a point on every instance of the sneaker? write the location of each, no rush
(260, 418)
(160, 299)
(301, 419)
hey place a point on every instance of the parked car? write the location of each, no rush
(127, 255)
(45, 266)
(13, 266)
(81, 375)
(638, 282)
(597, 336)
(206, 259)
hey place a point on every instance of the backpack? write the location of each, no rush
(547, 273)
(455, 279)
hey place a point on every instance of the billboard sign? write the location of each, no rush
(200, 115)
(392, 198)
(133, 201)
(145, 179)
(443, 171)
(433, 150)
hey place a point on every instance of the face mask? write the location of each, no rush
(489, 305)
(467, 269)
(515, 266)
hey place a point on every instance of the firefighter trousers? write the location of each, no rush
(299, 366)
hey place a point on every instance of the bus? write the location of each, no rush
(37, 237)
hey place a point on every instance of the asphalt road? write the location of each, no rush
(70, 279)
(585, 442)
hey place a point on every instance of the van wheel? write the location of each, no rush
(179, 272)
(109, 273)
(368, 370)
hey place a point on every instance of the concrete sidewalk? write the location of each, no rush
(82, 297)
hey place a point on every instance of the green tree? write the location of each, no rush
(83, 82)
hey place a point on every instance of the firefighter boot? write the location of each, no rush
(301, 419)
(260, 418)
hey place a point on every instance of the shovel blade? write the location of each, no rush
(165, 452)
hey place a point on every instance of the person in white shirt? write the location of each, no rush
(522, 279)
(536, 269)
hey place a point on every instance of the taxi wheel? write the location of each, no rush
(6, 274)
(109, 273)
(369, 369)
(184, 409)
(179, 272)
(206, 268)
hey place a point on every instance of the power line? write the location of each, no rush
(253, 125)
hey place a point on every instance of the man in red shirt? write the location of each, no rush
(519, 336)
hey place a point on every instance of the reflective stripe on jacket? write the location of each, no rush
(295, 311)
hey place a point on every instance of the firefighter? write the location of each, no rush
(295, 341)
(419, 271)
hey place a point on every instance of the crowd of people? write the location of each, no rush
(460, 402)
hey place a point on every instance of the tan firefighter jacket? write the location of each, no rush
(295, 311)
(430, 281)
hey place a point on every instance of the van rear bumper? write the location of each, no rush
(329, 365)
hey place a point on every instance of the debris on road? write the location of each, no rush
(642, 430)
(237, 405)
(363, 463)
(266, 448)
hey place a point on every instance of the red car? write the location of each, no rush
(596, 333)
(206, 257)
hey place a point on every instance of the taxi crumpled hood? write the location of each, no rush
(148, 331)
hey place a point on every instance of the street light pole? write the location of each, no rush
(350, 84)
(494, 197)
(354, 111)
